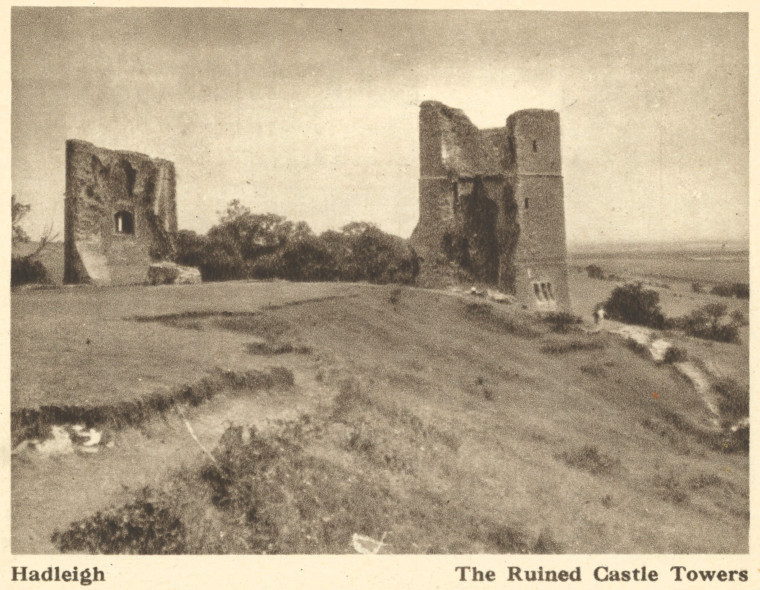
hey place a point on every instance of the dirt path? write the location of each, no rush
(658, 348)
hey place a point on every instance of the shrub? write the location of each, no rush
(697, 288)
(674, 354)
(25, 270)
(708, 322)
(594, 271)
(738, 290)
(633, 304)
(733, 399)
(147, 526)
(286, 501)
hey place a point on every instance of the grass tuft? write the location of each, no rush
(671, 489)
(563, 347)
(515, 538)
(267, 348)
(588, 458)
(593, 370)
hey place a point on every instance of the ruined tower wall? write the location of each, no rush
(492, 202)
(536, 180)
(166, 202)
(120, 214)
(437, 189)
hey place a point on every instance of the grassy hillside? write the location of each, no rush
(447, 423)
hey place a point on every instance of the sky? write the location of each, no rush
(313, 114)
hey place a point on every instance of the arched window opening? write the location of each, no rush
(125, 223)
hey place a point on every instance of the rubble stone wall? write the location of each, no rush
(120, 214)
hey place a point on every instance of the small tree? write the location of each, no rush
(25, 269)
(18, 211)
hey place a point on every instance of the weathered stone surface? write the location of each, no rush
(492, 202)
(120, 215)
(169, 273)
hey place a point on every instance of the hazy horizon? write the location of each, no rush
(312, 113)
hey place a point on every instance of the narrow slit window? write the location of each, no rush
(124, 223)
(550, 291)
(535, 145)
(526, 202)
(537, 292)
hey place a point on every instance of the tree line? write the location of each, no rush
(247, 245)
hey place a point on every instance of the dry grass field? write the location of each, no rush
(442, 421)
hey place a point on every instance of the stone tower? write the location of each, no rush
(120, 214)
(491, 202)
(535, 175)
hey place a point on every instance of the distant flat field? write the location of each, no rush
(708, 266)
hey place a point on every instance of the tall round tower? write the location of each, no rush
(535, 175)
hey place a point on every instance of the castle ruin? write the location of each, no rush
(492, 202)
(120, 214)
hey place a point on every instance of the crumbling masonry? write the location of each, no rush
(491, 202)
(121, 214)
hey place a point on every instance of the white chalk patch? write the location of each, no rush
(59, 444)
(64, 440)
(659, 348)
(367, 545)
